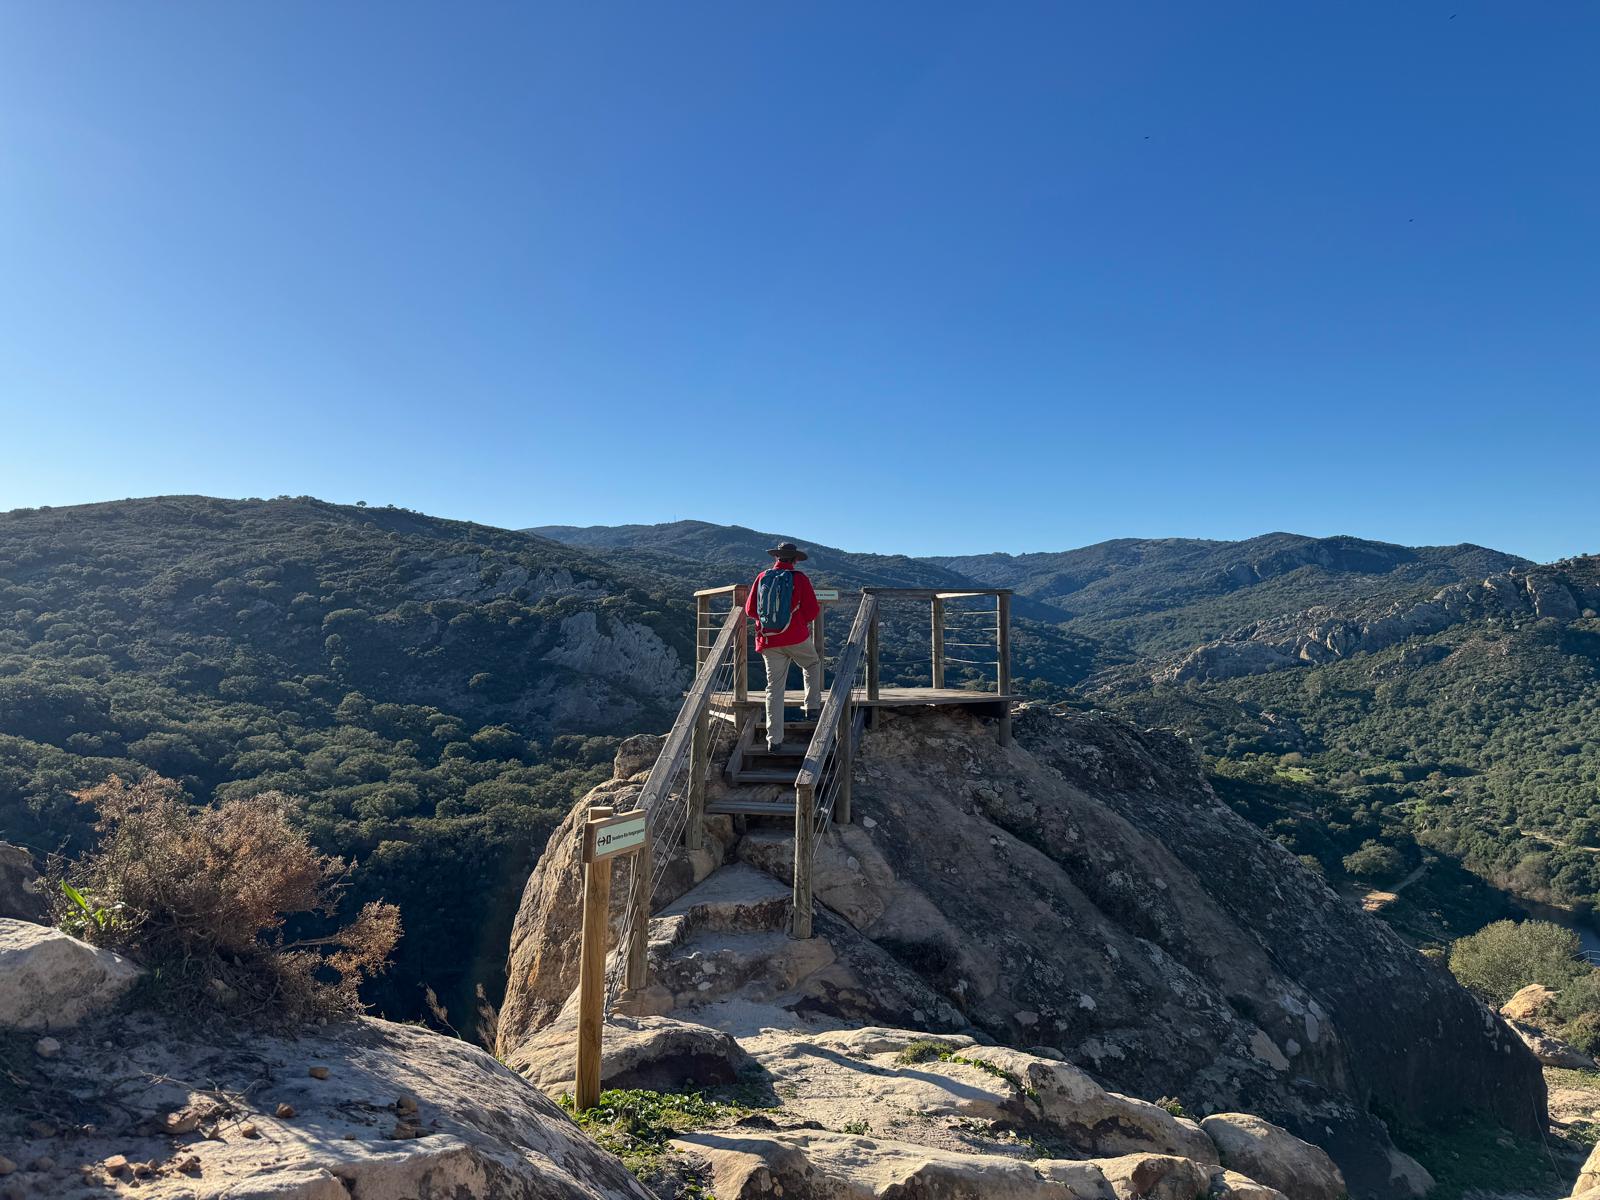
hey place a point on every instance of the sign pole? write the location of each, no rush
(604, 837)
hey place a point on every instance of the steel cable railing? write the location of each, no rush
(824, 777)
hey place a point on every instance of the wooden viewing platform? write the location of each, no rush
(807, 780)
(866, 691)
(887, 697)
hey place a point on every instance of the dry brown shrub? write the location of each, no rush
(202, 895)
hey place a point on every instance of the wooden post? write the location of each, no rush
(1002, 609)
(938, 642)
(741, 647)
(819, 641)
(872, 658)
(592, 977)
(846, 764)
(805, 803)
(642, 866)
(694, 828)
(702, 630)
(604, 837)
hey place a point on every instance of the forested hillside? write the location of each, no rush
(1480, 742)
(433, 693)
(1159, 596)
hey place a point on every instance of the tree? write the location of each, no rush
(1375, 861)
(1502, 958)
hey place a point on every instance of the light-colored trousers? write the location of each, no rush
(778, 659)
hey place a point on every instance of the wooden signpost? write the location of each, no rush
(606, 836)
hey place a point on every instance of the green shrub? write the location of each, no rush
(202, 896)
(1502, 958)
(1583, 1031)
(1375, 861)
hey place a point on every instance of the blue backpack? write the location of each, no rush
(774, 600)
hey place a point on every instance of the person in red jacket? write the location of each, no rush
(796, 606)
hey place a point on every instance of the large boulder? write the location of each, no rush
(922, 1084)
(360, 1108)
(814, 1165)
(1551, 1051)
(1534, 1003)
(49, 980)
(1274, 1156)
(656, 1053)
(542, 968)
(22, 895)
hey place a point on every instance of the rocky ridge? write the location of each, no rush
(1562, 591)
(1086, 900)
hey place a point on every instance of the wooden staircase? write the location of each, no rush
(753, 770)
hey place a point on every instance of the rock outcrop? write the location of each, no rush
(1560, 591)
(1268, 1155)
(1551, 1051)
(1083, 897)
(360, 1108)
(1533, 1003)
(49, 980)
(21, 889)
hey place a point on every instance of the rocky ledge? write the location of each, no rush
(96, 1102)
(1080, 898)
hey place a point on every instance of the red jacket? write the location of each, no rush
(803, 610)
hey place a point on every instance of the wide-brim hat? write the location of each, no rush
(788, 552)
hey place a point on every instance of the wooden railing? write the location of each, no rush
(673, 796)
(939, 615)
(822, 788)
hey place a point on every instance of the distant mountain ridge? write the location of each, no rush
(1134, 597)
(734, 552)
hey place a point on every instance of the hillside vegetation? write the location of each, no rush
(431, 693)
(1480, 743)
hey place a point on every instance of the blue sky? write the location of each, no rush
(902, 277)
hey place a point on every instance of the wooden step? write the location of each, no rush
(784, 775)
(788, 726)
(794, 750)
(735, 806)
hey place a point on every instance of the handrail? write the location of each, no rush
(828, 762)
(666, 819)
(694, 704)
(846, 667)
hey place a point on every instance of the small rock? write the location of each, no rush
(284, 1112)
(178, 1123)
(406, 1104)
(41, 1129)
(116, 1164)
(190, 1165)
(144, 1170)
(47, 1047)
(868, 823)
(249, 1131)
(43, 1163)
(404, 1129)
(6, 1165)
(318, 1072)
